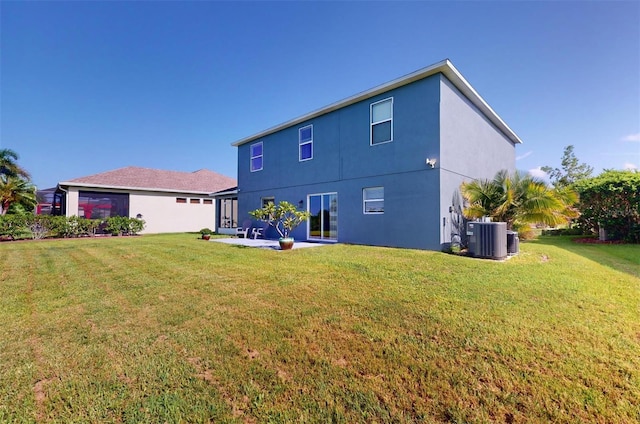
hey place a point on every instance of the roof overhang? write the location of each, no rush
(68, 184)
(226, 192)
(444, 67)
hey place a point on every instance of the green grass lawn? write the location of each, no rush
(173, 329)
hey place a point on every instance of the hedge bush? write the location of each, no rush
(122, 225)
(611, 201)
(15, 227)
(563, 232)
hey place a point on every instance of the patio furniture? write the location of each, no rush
(243, 232)
(257, 232)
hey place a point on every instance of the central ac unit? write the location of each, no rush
(487, 239)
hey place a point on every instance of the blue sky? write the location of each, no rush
(88, 87)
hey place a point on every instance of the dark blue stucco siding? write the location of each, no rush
(417, 197)
(341, 143)
(411, 200)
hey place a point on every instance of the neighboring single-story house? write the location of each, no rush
(168, 201)
(382, 167)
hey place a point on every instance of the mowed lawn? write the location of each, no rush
(173, 329)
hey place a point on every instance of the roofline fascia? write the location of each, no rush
(224, 192)
(113, 187)
(445, 67)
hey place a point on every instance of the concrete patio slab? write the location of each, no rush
(265, 244)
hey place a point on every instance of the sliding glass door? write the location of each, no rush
(228, 213)
(323, 223)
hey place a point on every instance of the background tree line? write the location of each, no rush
(574, 199)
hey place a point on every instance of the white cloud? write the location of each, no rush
(525, 155)
(538, 173)
(628, 165)
(632, 137)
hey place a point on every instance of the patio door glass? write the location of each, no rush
(323, 223)
(228, 213)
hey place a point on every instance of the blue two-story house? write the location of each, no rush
(382, 167)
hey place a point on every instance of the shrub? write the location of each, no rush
(135, 226)
(611, 201)
(12, 226)
(116, 225)
(40, 226)
(122, 225)
(563, 232)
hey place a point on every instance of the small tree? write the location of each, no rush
(572, 171)
(9, 165)
(284, 217)
(15, 189)
(517, 200)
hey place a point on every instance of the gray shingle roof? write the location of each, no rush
(133, 177)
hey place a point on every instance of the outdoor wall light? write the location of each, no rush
(300, 203)
(431, 162)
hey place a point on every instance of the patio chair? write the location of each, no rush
(243, 232)
(257, 232)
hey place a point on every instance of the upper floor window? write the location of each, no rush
(373, 200)
(256, 157)
(382, 121)
(305, 141)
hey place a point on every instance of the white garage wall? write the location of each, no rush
(163, 214)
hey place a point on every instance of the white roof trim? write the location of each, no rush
(445, 67)
(114, 187)
(225, 192)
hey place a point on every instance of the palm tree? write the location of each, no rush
(517, 200)
(16, 190)
(9, 165)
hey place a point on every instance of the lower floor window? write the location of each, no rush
(373, 200)
(266, 200)
(98, 205)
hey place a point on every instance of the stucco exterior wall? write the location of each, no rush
(161, 212)
(341, 143)
(163, 215)
(345, 163)
(431, 119)
(72, 201)
(471, 147)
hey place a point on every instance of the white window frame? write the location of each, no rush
(365, 201)
(372, 123)
(264, 201)
(303, 143)
(335, 215)
(261, 156)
